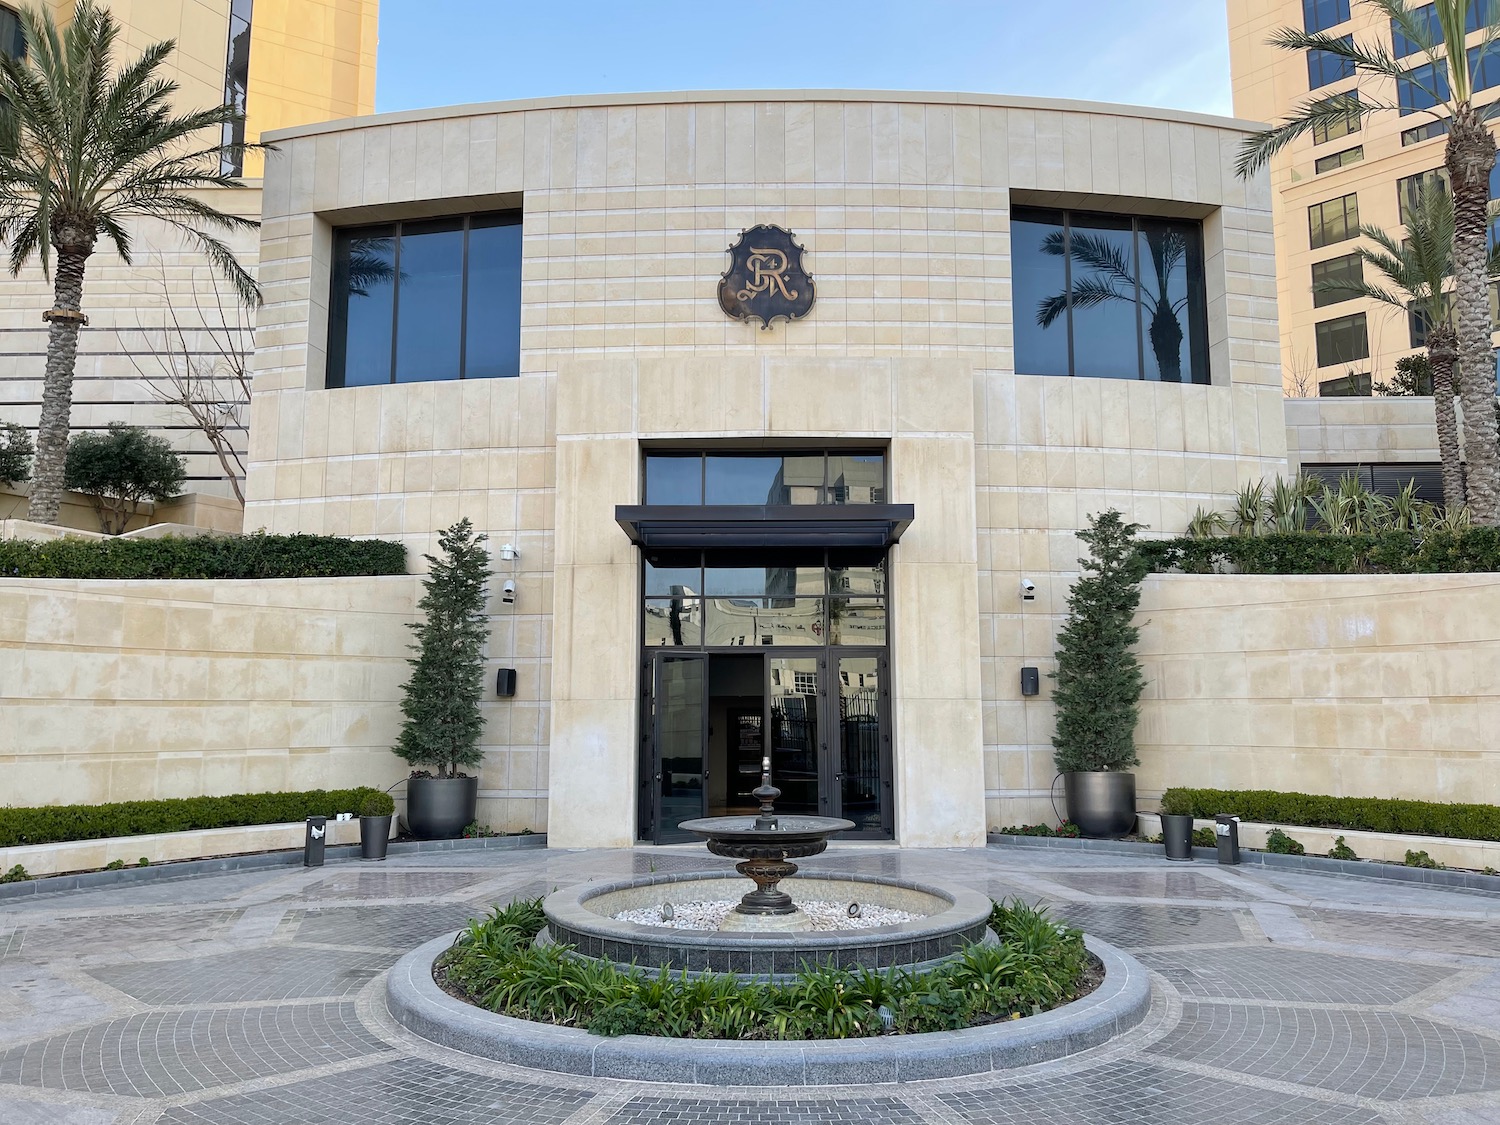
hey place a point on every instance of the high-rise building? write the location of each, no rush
(285, 63)
(1329, 182)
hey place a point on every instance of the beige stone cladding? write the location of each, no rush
(1351, 685)
(121, 691)
(903, 203)
(1364, 430)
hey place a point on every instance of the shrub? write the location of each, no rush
(1279, 842)
(1366, 814)
(377, 803)
(1341, 850)
(115, 865)
(1422, 859)
(59, 823)
(144, 862)
(1099, 679)
(1204, 838)
(1475, 550)
(441, 697)
(15, 454)
(1065, 830)
(206, 556)
(120, 470)
(495, 964)
(16, 874)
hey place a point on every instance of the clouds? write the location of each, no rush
(1151, 52)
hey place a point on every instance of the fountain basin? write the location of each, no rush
(582, 917)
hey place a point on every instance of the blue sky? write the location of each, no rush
(1149, 52)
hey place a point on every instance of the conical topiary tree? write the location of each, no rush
(1099, 679)
(441, 699)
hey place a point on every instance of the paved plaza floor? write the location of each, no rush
(257, 998)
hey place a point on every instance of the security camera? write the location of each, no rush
(508, 593)
(1028, 590)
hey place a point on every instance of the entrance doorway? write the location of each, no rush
(710, 719)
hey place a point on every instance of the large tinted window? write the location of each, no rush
(1423, 87)
(1319, 15)
(236, 83)
(12, 38)
(761, 479)
(1108, 296)
(418, 301)
(1342, 125)
(1332, 278)
(1324, 67)
(1342, 340)
(1333, 220)
(1481, 13)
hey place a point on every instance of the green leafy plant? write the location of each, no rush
(16, 874)
(115, 865)
(89, 148)
(16, 451)
(1099, 678)
(1204, 838)
(1341, 850)
(1207, 523)
(1449, 544)
(1279, 842)
(441, 698)
(120, 470)
(1422, 859)
(204, 556)
(377, 803)
(144, 862)
(496, 964)
(50, 824)
(1363, 814)
(1065, 830)
(1248, 515)
(1489, 871)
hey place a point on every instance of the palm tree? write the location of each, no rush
(1114, 279)
(1468, 159)
(1413, 277)
(84, 151)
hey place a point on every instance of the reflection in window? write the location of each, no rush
(1342, 340)
(1319, 15)
(1118, 297)
(1481, 13)
(1333, 220)
(1324, 67)
(419, 301)
(236, 84)
(1345, 272)
(765, 479)
(1422, 87)
(12, 37)
(1341, 125)
(1336, 160)
(1410, 189)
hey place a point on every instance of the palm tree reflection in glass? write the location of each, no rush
(1114, 278)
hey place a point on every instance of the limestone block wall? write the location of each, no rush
(132, 690)
(1361, 429)
(1352, 685)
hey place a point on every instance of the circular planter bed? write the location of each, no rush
(1118, 1003)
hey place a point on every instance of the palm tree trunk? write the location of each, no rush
(57, 385)
(1470, 156)
(1442, 353)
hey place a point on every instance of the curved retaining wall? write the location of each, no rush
(416, 1001)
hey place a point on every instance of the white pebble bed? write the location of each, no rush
(824, 915)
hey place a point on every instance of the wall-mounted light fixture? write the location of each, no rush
(509, 553)
(508, 592)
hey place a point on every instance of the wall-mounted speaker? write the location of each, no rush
(505, 683)
(1031, 682)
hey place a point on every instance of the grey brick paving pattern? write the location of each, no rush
(1380, 1055)
(280, 973)
(1291, 975)
(1260, 1032)
(156, 1054)
(401, 1092)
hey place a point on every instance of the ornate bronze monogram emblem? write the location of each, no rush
(766, 280)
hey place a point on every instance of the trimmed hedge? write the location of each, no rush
(1475, 551)
(1368, 814)
(205, 556)
(60, 823)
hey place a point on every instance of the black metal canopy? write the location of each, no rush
(744, 525)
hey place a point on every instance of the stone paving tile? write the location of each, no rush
(73, 936)
(36, 1001)
(197, 889)
(1134, 927)
(730, 1111)
(1289, 976)
(24, 1111)
(1381, 1055)
(1448, 935)
(1152, 884)
(401, 1092)
(389, 927)
(278, 973)
(157, 1054)
(1132, 1093)
(389, 884)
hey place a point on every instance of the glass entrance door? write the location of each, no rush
(680, 736)
(862, 769)
(797, 745)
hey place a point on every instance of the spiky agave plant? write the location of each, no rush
(1249, 512)
(1286, 508)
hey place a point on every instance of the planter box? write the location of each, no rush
(1474, 855)
(87, 855)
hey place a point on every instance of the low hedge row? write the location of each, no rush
(1368, 814)
(206, 556)
(61, 823)
(1474, 551)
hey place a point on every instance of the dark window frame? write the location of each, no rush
(236, 85)
(1330, 266)
(1317, 229)
(1324, 68)
(1336, 160)
(1320, 15)
(1412, 94)
(1324, 330)
(825, 452)
(1353, 122)
(338, 303)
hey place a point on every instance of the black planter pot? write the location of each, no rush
(374, 834)
(1101, 803)
(440, 808)
(1177, 835)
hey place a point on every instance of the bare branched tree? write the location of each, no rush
(1301, 377)
(202, 367)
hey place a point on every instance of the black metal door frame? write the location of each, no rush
(660, 834)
